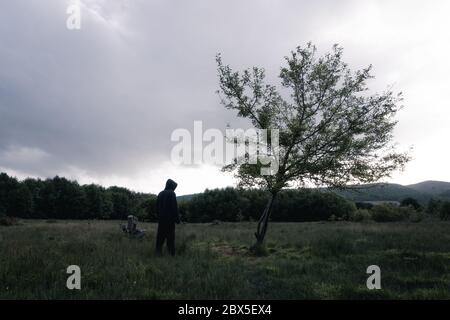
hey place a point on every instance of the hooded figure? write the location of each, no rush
(167, 213)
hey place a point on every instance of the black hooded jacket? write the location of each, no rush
(166, 204)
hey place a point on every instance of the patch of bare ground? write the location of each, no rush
(228, 250)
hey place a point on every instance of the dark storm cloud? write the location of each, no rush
(104, 100)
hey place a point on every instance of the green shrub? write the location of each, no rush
(417, 216)
(410, 202)
(408, 211)
(7, 221)
(359, 215)
(332, 218)
(434, 206)
(364, 205)
(444, 211)
(389, 213)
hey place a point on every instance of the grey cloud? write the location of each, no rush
(106, 98)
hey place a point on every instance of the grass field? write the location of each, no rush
(304, 261)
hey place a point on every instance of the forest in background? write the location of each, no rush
(60, 198)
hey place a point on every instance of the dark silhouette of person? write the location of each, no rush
(167, 213)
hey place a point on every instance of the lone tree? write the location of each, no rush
(332, 132)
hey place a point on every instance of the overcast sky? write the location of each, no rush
(99, 104)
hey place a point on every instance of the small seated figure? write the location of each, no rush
(132, 223)
(131, 227)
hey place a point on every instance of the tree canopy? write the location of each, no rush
(332, 131)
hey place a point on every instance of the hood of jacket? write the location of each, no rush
(171, 185)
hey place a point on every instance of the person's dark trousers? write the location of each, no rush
(166, 231)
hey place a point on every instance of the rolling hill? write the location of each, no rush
(422, 192)
(384, 192)
(434, 188)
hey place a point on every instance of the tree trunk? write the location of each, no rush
(264, 220)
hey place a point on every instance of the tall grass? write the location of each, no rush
(303, 261)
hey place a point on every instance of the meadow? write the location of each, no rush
(315, 260)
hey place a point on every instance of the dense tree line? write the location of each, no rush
(60, 198)
(232, 204)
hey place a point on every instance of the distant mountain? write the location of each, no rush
(434, 188)
(422, 192)
(383, 192)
